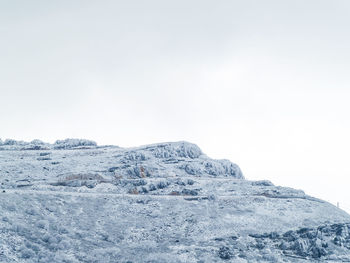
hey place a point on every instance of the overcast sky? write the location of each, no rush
(265, 84)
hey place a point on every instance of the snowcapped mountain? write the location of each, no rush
(75, 201)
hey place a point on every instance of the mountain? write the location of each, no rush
(75, 201)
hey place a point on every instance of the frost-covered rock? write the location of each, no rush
(13, 142)
(179, 149)
(308, 243)
(222, 167)
(13, 145)
(10, 144)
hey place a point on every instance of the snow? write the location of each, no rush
(75, 201)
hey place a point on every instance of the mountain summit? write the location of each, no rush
(75, 201)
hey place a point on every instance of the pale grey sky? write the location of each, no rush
(262, 83)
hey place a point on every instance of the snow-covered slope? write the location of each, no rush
(74, 201)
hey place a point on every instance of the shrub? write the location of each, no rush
(73, 143)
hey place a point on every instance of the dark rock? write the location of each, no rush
(225, 253)
(274, 235)
(317, 252)
(190, 182)
(112, 169)
(262, 183)
(162, 185)
(189, 192)
(290, 236)
(339, 241)
(139, 182)
(301, 247)
(44, 159)
(152, 187)
(144, 190)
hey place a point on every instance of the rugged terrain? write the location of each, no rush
(74, 201)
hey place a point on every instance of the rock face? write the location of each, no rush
(74, 201)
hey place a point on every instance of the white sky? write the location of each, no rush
(262, 83)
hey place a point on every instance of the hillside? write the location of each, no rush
(75, 201)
